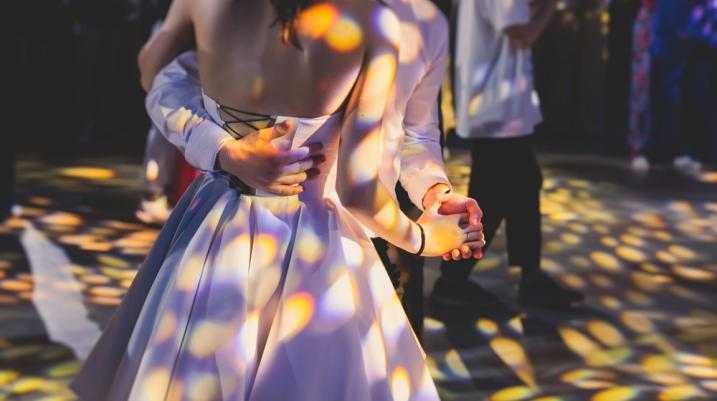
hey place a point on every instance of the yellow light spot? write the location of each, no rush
(694, 359)
(66, 369)
(632, 240)
(379, 76)
(578, 375)
(620, 393)
(155, 384)
(310, 248)
(298, 310)
(630, 254)
(344, 35)
(680, 392)
(62, 219)
(264, 251)
(682, 252)
(167, 327)
(656, 363)
(105, 301)
(88, 173)
(190, 274)
(487, 326)
(112, 261)
(474, 105)
(203, 388)
(700, 372)
(638, 322)
(516, 393)
(573, 280)
(693, 273)
(514, 356)
(106, 292)
(8, 376)
(606, 261)
(610, 302)
(15, 285)
(456, 365)
(606, 333)
(176, 391)
(151, 172)
(316, 20)
(400, 384)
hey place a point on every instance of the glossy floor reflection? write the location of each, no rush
(642, 249)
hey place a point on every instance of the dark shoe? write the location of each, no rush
(461, 294)
(541, 291)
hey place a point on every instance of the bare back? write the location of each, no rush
(245, 64)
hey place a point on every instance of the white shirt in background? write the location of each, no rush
(495, 97)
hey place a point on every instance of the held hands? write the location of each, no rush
(263, 160)
(443, 201)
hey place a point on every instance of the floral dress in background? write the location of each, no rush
(639, 122)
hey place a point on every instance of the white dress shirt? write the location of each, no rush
(412, 130)
(495, 97)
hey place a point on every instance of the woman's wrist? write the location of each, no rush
(418, 239)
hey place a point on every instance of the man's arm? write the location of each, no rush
(174, 36)
(525, 35)
(174, 103)
(421, 157)
(423, 172)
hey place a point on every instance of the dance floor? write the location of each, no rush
(642, 249)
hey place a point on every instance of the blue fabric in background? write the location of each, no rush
(672, 17)
(702, 24)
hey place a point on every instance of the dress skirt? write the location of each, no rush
(258, 299)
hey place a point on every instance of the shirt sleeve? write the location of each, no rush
(503, 14)
(421, 157)
(175, 106)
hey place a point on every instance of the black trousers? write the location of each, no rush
(406, 272)
(506, 181)
(7, 180)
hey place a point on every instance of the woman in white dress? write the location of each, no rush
(265, 298)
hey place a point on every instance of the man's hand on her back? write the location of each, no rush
(264, 161)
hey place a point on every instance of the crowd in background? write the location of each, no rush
(75, 77)
(674, 92)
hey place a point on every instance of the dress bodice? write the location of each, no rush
(324, 130)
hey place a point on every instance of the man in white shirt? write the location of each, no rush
(413, 154)
(497, 109)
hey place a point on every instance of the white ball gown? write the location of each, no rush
(260, 298)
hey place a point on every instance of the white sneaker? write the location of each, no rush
(154, 211)
(687, 165)
(640, 164)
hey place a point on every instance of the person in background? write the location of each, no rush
(671, 52)
(640, 122)
(497, 109)
(701, 87)
(161, 158)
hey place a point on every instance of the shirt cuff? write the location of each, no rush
(419, 184)
(204, 143)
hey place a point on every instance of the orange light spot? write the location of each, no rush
(344, 35)
(316, 20)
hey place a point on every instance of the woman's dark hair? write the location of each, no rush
(286, 12)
